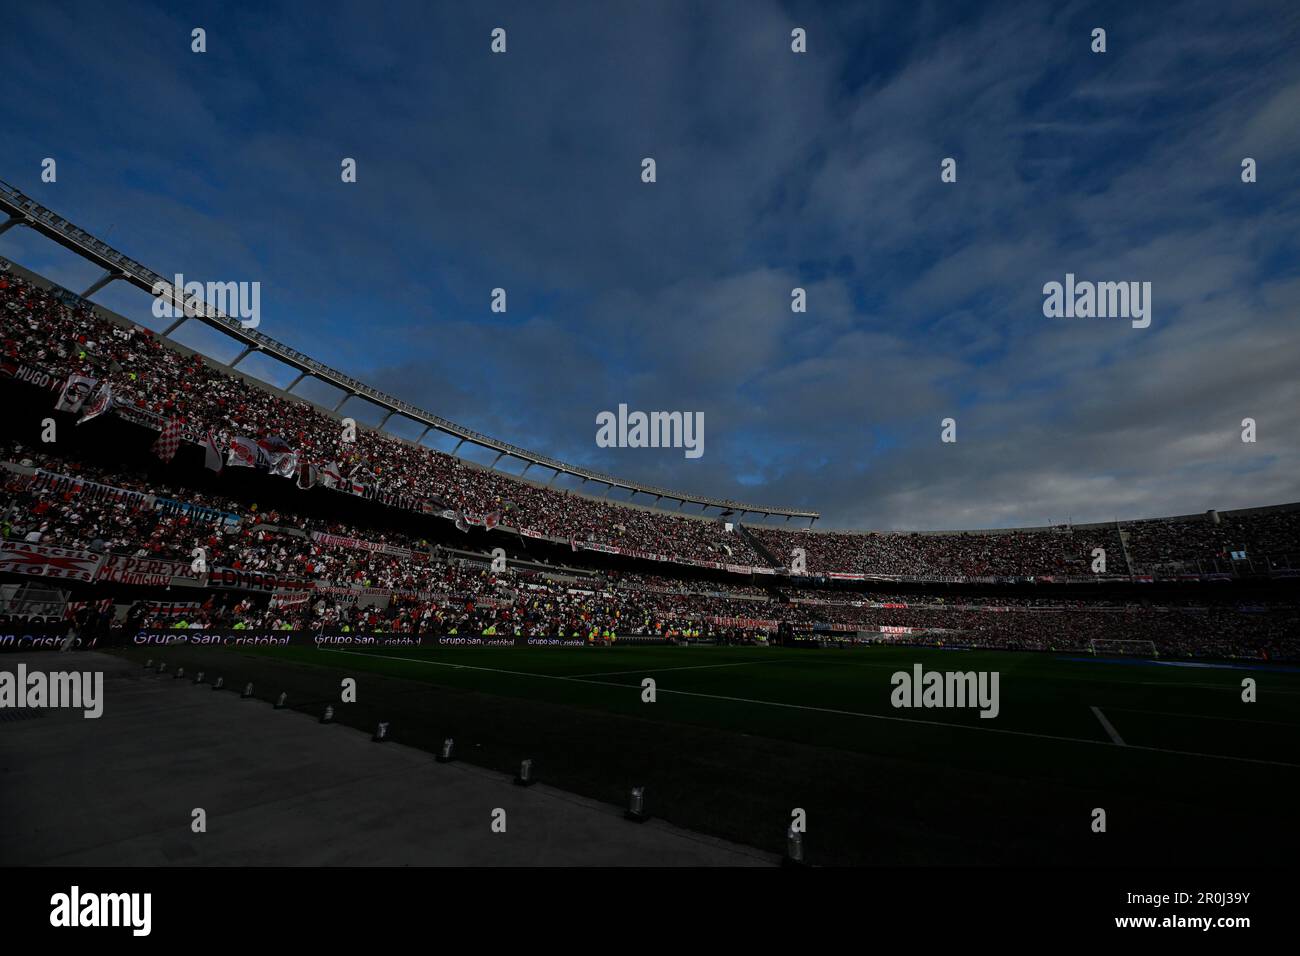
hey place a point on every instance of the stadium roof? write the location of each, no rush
(26, 211)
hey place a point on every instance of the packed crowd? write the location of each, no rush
(334, 576)
(149, 376)
(969, 555)
(1202, 543)
(1270, 539)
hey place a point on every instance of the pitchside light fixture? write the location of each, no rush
(448, 753)
(636, 806)
(381, 732)
(525, 776)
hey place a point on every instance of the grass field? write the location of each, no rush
(737, 737)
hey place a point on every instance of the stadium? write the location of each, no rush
(315, 547)
(369, 633)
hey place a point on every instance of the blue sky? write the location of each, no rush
(775, 170)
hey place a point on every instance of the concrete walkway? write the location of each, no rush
(280, 789)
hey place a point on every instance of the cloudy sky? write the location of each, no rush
(775, 170)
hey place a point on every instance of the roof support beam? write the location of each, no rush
(103, 280)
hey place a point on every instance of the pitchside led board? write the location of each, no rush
(260, 638)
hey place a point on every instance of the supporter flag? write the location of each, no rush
(101, 403)
(306, 475)
(274, 446)
(285, 465)
(492, 520)
(243, 452)
(461, 523)
(75, 392)
(361, 480)
(573, 543)
(211, 452)
(275, 454)
(331, 476)
(169, 440)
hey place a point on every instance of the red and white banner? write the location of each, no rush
(212, 452)
(19, 557)
(75, 392)
(752, 623)
(357, 544)
(244, 580)
(285, 465)
(331, 475)
(169, 440)
(35, 376)
(118, 569)
(244, 452)
(433, 596)
(99, 405)
(173, 608)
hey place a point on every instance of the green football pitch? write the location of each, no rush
(736, 739)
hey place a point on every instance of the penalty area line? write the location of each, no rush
(1108, 727)
(823, 710)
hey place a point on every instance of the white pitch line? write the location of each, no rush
(1236, 720)
(1177, 686)
(823, 710)
(1109, 727)
(660, 670)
